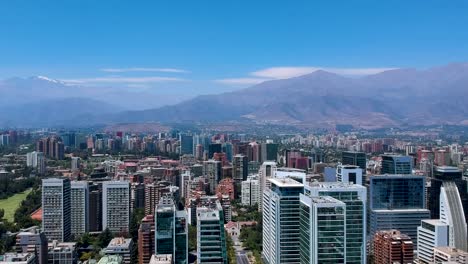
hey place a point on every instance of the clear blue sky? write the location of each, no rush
(218, 40)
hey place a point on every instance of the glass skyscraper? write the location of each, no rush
(211, 240)
(396, 164)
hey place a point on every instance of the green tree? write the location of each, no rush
(230, 249)
(104, 238)
(192, 237)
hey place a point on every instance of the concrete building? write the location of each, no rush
(32, 240)
(161, 259)
(79, 208)
(18, 258)
(269, 151)
(75, 163)
(211, 240)
(391, 246)
(450, 255)
(350, 174)
(212, 170)
(240, 171)
(36, 160)
(250, 194)
(451, 214)
(431, 234)
(63, 253)
(354, 196)
(120, 246)
(322, 230)
(280, 227)
(113, 259)
(267, 170)
(56, 209)
(146, 239)
(116, 206)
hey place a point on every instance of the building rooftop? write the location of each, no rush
(119, 242)
(335, 185)
(450, 251)
(16, 257)
(325, 200)
(434, 222)
(111, 259)
(285, 182)
(447, 169)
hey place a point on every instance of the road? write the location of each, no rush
(241, 257)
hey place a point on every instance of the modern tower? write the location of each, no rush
(396, 164)
(56, 209)
(239, 172)
(431, 234)
(267, 170)
(116, 206)
(211, 240)
(354, 196)
(186, 144)
(322, 231)
(452, 214)
(269, 151)
(280, 226)
(79, 208)
(354, 158)
(350, 174)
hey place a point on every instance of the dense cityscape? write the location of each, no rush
(208, 197)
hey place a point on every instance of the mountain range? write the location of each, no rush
(391, 98)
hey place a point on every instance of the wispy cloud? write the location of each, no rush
(149, 79)
(137, 69)
(275, 73)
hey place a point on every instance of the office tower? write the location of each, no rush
(63, 253)
(146, 239)
(396, 164)
(250, 194)
(32, 241)
(228, 149)
(253, 167)
(354, 158)
(254, 152)
(186, 144)
(120, 246)
(267, 170)
(137, 196)
(397, 202)
(451, 213)
(79, 192)
(214, 148)
(212, 170)
(239, 172)
(441, 175)
(4, 140)
(56, 206)
(269, 151)
(350, 174)
(153, 193)
(20, 258)
(36, 160)
(95, 207)
(392, 246)
(171, 231)
(431, 234)
(322, 232)
(450, 255)
(75, 163)
(280, 226)
(116, 206)
(354, 197)
(211, 240)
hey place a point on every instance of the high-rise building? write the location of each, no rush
(446, 174)
(269, 151)
(36, 160)
(350, 174)
(211, 240)
(250, 194)
(451, 213)
(95, 207)
(171, 233)
(137, 196)
(32, 241)
(153, 193)
(431, 234)
(75, 163)
(322, 231)
(354, 158)
(396, 164)
(397, 202)
(146, 239)
(267, 170)
(186, 144)
(56, 209)
(392, 246)
(280, 226)
(214, 148)
(212, 170)
(79, 192)
(116, 206)
(354, 196)
(239, 172)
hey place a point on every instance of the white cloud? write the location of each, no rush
(241, 81)
(149, 79)
(136, 69)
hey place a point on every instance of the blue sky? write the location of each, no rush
(212, 46)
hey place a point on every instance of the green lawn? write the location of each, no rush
(11, 204)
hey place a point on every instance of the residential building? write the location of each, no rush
(153, 192)
(79, 191)
(116, 206)
(354, 196)
(240, 167)
(212, 170)
(56, 209)
(146, 239)
(36, 160)
(211, 240)
(250, 193)
(280, 227)
(75, 163)
(391, 246)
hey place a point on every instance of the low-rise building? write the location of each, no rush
(18, 258)
(121, 247)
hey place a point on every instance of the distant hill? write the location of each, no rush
(390, 98)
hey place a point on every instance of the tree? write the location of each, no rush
(230, 249)
(104, 238)
(192, 236)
